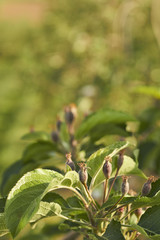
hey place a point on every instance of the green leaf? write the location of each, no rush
(146, 201)
(102, 117)
(149, 224)
(36, 136)
(149, 91)
(139, 229)
(46, 210)
(113, 199)
(39, 151)
(2, 204)
(144, 232)
(96, 161)
(3, 227)
(114, 231)
(129, 167)
(93, 237)
(13, 173)
(64, 136)
(24, 199)
(74, 202)
(155, 188)
(107, 129)
(150, 220)
(52, 196)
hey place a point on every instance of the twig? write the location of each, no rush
(90, 196)
(112, 184)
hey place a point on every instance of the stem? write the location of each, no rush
(133, 237)
(89, 212)
(72, 220)
(105, 190)
(116, 203)
(127, 214)
(91, 198)
(124, 205)
(112, 184)
(71, 235)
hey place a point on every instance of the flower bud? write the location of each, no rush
(69, 162)
(138, 212)
(125, 185)
(107, 168)
(55, 136)
(69, 117)
(120, 159)
(147, 186)
(83, 175)
(58, 124)
(70, 113)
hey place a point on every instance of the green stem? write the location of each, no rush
(105, 189)
(114, 210)
(91, 198)
(89, 212)
(127, 214)
(116, 203)
(112, 184)
(72, 220)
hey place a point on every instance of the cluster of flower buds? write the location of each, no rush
(83, 175)
(69, 161)
(107, 167)
(125, 185)
(147, 186)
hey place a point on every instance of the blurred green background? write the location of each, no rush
(95, 53)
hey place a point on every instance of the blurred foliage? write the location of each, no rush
(91, 52)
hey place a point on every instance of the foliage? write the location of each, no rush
(37, 194)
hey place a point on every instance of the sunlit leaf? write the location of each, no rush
(24, 199)
(151, 91)
(146, 201)
(96, 161)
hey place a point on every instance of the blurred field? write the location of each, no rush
(91, 52)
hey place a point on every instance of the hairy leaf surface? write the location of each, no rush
(24, 199)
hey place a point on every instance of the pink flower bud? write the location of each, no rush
(55, 136)
(138, 212)
(83, 175)
(107, 168)
(125, 185)
(147, 186)
(69, 162)
(120, 159)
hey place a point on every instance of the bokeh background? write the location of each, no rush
(95, 53)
